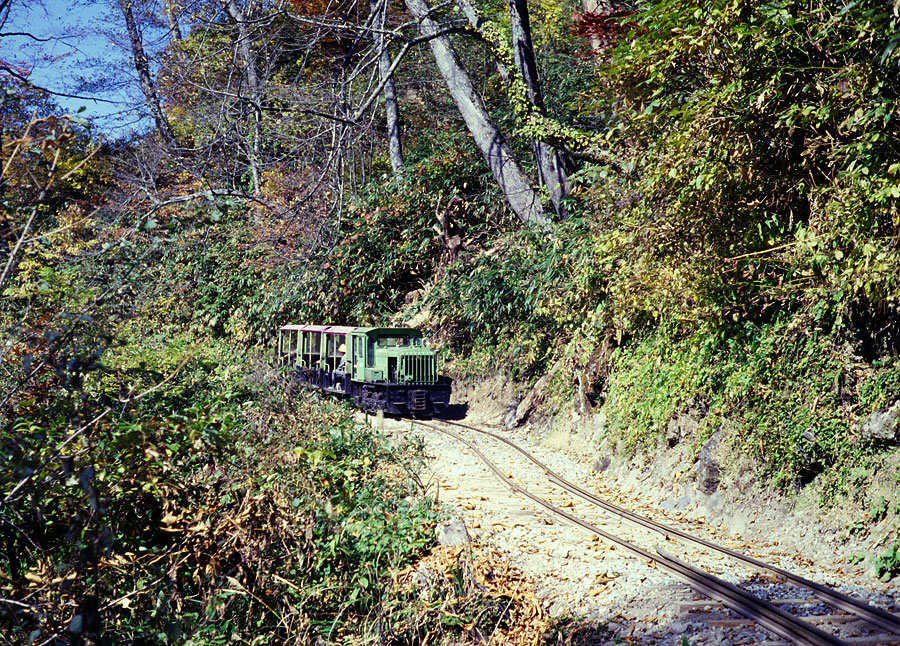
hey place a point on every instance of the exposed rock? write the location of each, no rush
(716, 502)
(537, 394)
(682, 426)
(583, 405)
(557, 608)
(882, 425)
(510, 419)
(453, 533)
(601, 464)
(492, 394)
(591, 378)
(597, 427)
(426, 577)
(707, 467)
(673, 433)
(680, 626)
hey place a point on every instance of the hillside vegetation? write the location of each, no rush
(725, 241)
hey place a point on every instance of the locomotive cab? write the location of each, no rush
(394, 371)
(392, 355)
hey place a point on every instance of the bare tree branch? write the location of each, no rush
(25, 79)
(27, 35)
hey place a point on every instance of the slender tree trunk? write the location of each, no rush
(521, 196)
(391, 109)
(549, 161)
(251, 78)
(142, 67)
(248, 59)
(172, 19)
(477, 23)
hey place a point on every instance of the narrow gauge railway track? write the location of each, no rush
(762, 612)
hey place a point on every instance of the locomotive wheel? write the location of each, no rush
(371, 400)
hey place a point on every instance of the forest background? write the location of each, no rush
(666, 206)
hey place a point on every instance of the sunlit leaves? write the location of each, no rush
(750, 123)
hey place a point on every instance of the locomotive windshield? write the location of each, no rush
(393, 341)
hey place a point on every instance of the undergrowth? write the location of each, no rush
(215, 507)
(887, 565)
(790, 397)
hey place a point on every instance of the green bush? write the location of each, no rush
(887, 565)
(779, 388)
(211, 507)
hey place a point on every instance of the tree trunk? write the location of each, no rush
(391, 109)
(172, 19)
(549, 161)
(522, 198)
(142, 67)
(477, 23)
(248, 60)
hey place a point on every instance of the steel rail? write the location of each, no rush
(871, 614)
(764, 613)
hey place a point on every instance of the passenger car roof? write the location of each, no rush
(346, 329)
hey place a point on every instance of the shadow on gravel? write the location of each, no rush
(568, 631)
(454, 412)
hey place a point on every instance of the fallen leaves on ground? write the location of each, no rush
(487, 598)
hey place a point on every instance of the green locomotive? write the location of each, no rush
(388, 369)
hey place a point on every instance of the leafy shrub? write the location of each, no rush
(386, 247)
(887, 565)
(755, 171)
(779, 387)
(199, 509)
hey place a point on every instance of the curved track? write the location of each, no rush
(764, 613)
